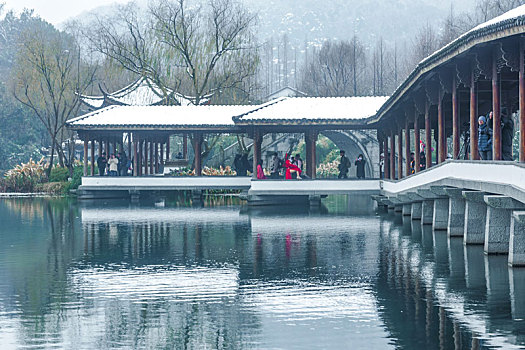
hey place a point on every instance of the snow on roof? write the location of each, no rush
(316, 109)
(516, 16)
(93, 101)
(160, 116)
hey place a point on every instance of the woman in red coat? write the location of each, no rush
(289, 168)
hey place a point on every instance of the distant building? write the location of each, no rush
(285, 92)
(143, 92)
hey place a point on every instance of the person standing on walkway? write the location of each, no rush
(360, 165)
(484, 139)
(101, 164)
(344, 165)
(275, 164)
(113, 165)
(260, 170)
(507, 134)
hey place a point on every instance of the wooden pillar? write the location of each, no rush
(151, 158)
(311, 157)
(392, 155)
(400, 154)
(146, 156)
(417, 158)
(474, 153)
(100, 147)
(428, 137)
(441, 130)
(185, 146)
(139, 156)
(197, 148)
(455, 120)
(168, 149)
(107, 149)
(93, 157)
(496, 110)
(386, 158)
(522, 102)
(129, 145)
(85, 157)
(162, 153)
(156, 165)
(135, 156)
(257, 142)
(407, 146)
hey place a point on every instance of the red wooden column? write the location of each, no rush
(386, 158)
(417, 140)
(400, 154)
(85, 156)
(474, 153)
(257, 142)
(185, 146)
(135, 155)
(392, 155)
(100, 147)
(146, 156)
(428, 137)
(496, 110)
(93, 157)
(130, 148)
(156, 165)
(522, 102)
(407, 146)
(455, 120)
(162, 153)
(197, 148)
(151, 158)
(441, 130)
(311, 157)
(168, 149)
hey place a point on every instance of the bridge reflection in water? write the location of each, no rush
(123, 275)
(449, 295)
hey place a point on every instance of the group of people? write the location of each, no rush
(486, 133)
(114, 166)
(293, 167)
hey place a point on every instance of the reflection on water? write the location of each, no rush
(121, 275)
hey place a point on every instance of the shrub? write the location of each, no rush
(56, 188)
(59, 174)
(24, 177)
(76, 179)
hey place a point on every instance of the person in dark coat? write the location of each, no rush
(101, 164)
(344, 165)
(484, 139)
(360, 164)
(507, 135)
(237, 164)
(245, 164)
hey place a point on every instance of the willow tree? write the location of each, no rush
(47, 78)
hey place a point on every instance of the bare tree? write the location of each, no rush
(207, 43)
(333, 70)
(47, 77)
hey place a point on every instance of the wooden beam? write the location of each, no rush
(428, 137)
(496, 109)
(522, 101)
(474, 153)
(417, 157)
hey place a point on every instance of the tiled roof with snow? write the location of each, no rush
(513, 19)
(159, 116)
(314, 110)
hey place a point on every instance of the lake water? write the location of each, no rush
(112, 275)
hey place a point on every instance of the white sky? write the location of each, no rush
(57, 11)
